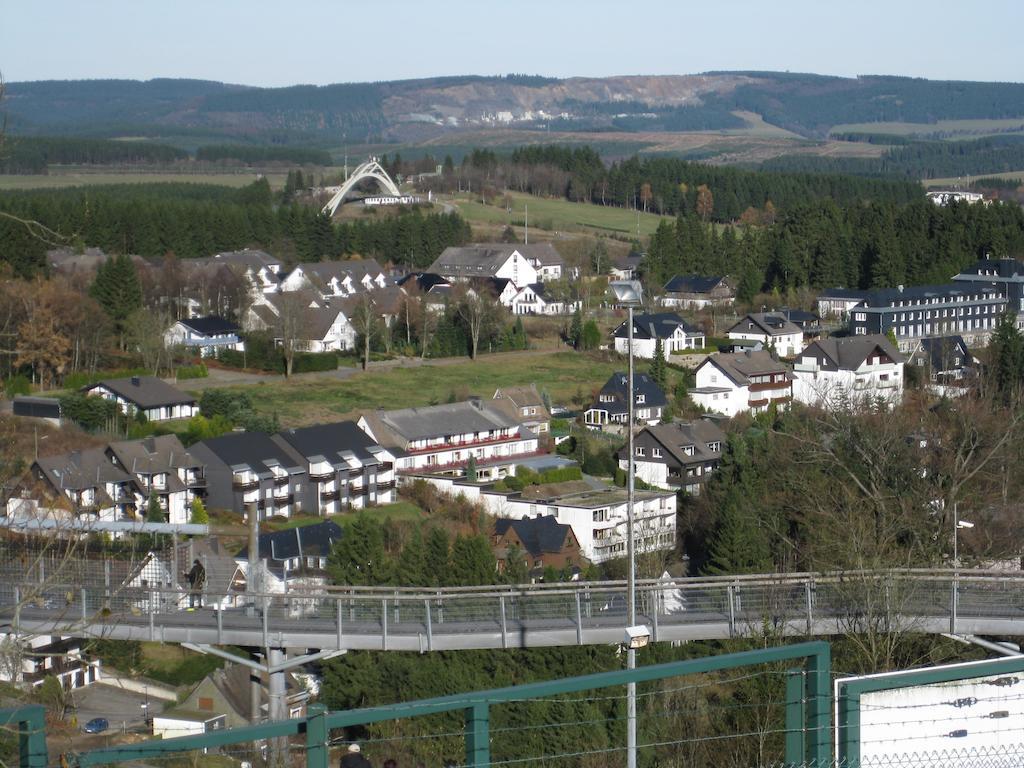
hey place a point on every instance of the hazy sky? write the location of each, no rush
(260, 42)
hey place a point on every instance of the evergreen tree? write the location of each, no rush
(359, 557)
(154, 514)
(117, 289)
(411, 567)
(591, 337)
(1006, 357)
(576, 328)
(739, 544)
(516, 571)
(658, 366)
(439, 560)
(472, 561)
(471, 470)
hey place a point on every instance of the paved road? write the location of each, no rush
(121, 708)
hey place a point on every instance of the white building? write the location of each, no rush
(522, 264)
(772, 329)
(152, 397)
(261, 270)
(336, 278)
(675, 333)
(321, 325)
(597, 516)
(205, 335)
(443, 438)
(30, 659)
(736, 382)
(160, 466)
(850, 372)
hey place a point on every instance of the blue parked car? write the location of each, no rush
(96, 725)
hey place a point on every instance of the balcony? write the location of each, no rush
(461, 464)
(451, 444)
(241, 484)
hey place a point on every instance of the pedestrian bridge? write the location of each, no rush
(405, 619)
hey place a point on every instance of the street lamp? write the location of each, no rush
(629, 294)
(957, 525)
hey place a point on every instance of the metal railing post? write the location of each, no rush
(579, 621)
(819, 698)
(316, 736)
(85, 606)
(337, 613)
(384, 623)
(478, 738)
(795, 714)
(504, 625)
(808, 602)
(430, 627)
(654, 601)
(731, 592)
(953, 598)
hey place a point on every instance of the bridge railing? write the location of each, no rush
(813, 602)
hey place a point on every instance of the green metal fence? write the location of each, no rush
(808, 703)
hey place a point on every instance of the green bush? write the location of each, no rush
(18, 385)
(192, 372)
(307, 362)
(91, 413)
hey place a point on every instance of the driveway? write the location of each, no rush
(122, 708)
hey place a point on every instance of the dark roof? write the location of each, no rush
(843, 293)
(849, 352)
(674, 437)
(330, 441)
(79, 470)
(211, 325)
(399, 428)
(618, 385)
(768, 323)
(658, 325)
(425, 280)
(144, 391)
(39, 407)
(799, 316)
(314, 540)
(1002, 268)
(887, 296)
(253, 449)
(484, 259)
(692, 283)
(538, 534)
(939, 351)
(740, 366)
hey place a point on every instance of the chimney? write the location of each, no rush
(135, 381)
(899, 288)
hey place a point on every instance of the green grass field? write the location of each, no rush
(560, 215)
(939, 183)
(60, 178)
(309, 401)
(962, 127)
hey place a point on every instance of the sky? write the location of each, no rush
(258, 42)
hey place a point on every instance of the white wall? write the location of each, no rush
(847, 389)
(641, 347)
(786, 345)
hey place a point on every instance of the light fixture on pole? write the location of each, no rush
(629, 294)
(957, 525)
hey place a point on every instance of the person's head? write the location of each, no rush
(196, 561)
(353, 749)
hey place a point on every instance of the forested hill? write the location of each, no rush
(809, 105)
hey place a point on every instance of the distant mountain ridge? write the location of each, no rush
(411, 110)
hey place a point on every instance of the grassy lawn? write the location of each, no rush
(58, 178)
(966, 127)
(940, 183)
(560, 215)
(302, 402)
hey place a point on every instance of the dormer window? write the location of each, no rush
(715, 446)
(688, 450)
(641, 399)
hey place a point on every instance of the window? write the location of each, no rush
(688, 450)
(656, 453)
(715, 446)
(860, 316)
(641, 398)
(639, 450)
(860, 331)
(205, 704)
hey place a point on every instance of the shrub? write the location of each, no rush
(192, 372)
(17, 385)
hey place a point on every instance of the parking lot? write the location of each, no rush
(123, 709)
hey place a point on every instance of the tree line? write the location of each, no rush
(200, 220)
(660, 184)
(822, 244)
(259, 155)
(917, 160)
(34, 154)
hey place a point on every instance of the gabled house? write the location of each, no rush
(849, 372)
(946, 364)
(535, 299)
(346, 469)
(146, 395)
(626, 266)
(525, 405)
(261, 270)
(808, 322)
(295, 557)
(30, 659)
(76, 484)
(337, 278)
(228, 692)
(731, 383)
(205, 335)
(674, 456)
(444, 438)
(249, 469)
(697, 292)
(160, 466)
(612, 404)
(675, 333)
(321, 325)
(542, 542)
(772, 329)
(513, 262)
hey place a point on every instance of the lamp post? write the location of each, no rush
(629, 294)
(957, 525)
